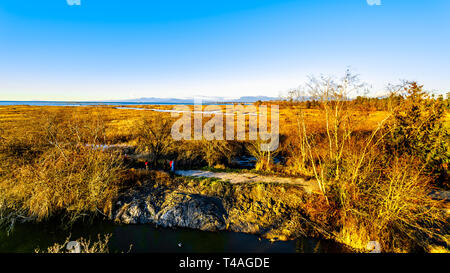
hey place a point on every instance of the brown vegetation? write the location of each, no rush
(376, 160)
(86, 246)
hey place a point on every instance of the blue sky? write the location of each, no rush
(104, 50)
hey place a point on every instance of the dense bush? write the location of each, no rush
(379, 182)
(56, 169)
(417, 129)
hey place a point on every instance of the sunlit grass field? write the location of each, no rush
(375, 169)
(120, 122)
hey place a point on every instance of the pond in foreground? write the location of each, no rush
(147, 238)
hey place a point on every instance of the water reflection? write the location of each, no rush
(149, 239)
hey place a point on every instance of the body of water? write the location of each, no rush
(25, 238)
(97, 103)
(75, 103)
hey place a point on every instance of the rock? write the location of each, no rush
(137, 206)
(192, 211)
(242, 209)
(173, 209)
(135, 212)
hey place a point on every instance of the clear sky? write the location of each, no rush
(121, 49)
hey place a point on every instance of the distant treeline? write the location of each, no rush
(358, 103)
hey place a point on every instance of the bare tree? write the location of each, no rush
(333, 97)
(154, 136)
(264, 158)
(214, 151)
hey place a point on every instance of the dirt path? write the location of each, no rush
(238, 178)
(308, 185)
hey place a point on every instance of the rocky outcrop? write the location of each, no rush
(171, 209)
(192, 211)
(138, 206)
(271, 211)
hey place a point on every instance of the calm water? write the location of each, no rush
(95, 103)
(147, 238)
(75, 103)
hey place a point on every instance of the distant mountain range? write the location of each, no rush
(246, 99)
(151, 100)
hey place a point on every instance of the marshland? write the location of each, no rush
(377, 167)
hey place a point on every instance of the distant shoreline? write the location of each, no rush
(97, 103)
